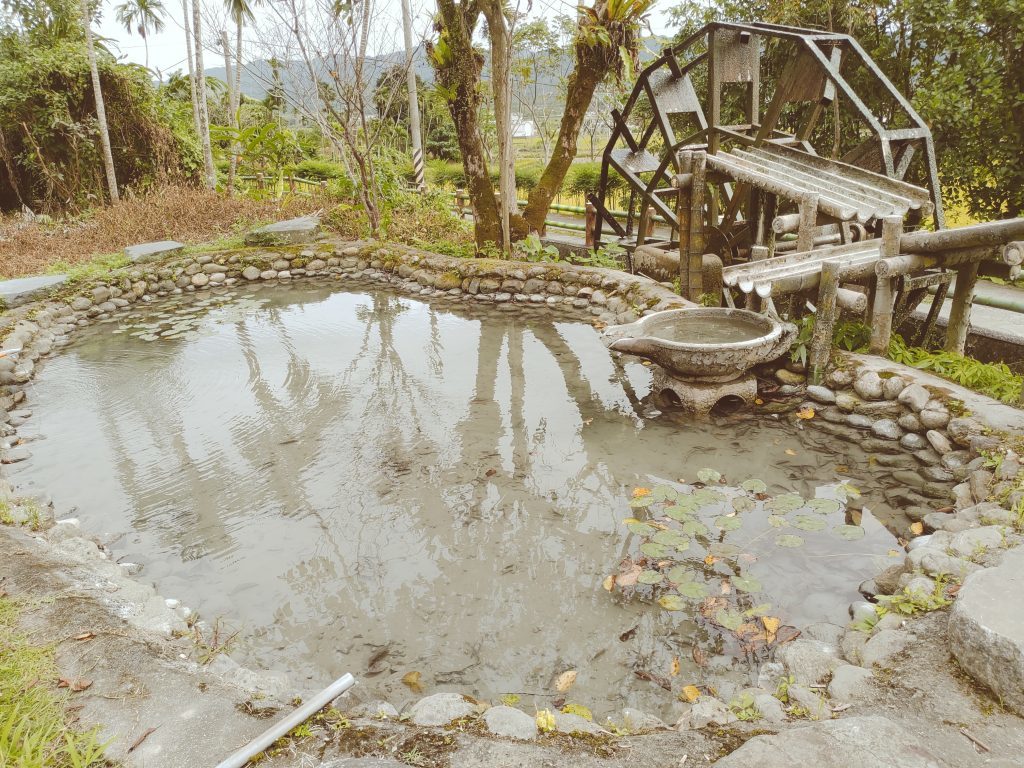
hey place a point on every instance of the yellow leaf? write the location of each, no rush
(917, 528)
(565, 680)
(608, 583)
(710, 560)
(638, 492)
(758, 401)
(545, 721)
(578, 709)
(674, 669)
(790, 452)
(771, 627)
(412, 680)
(629, 520)
(690, 693)
(805, 413)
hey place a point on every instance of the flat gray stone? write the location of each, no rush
(883, 646)
(566, 722)
(821, 394)
(440, 709)
(146, 252)
(887, 429)
(299, 230)
(703, 712)
(986, 632)
(511, 722)
(25, 289)
(362, 762)
(915, 397)
(814, 704)
(638, 720)
(850, 742)
(809, 661)
(850, 684)
(868, 386)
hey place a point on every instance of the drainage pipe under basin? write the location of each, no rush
(294, 720)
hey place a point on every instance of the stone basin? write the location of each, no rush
(703, 344)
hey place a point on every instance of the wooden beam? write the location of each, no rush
(960, 313)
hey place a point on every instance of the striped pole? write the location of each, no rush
(414, 105)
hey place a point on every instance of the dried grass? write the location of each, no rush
(170, 213)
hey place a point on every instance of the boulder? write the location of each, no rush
(915, 397)
(986, 635)
(821, 394)
(809, 661)
(868, 386)
(26, 289)
(298, 230)
(142, 253)
(440, 709)
(510, 722)
(705, 711)
(850, 684)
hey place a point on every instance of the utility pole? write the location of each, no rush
(414, 104)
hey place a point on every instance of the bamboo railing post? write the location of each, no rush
(683, 210)
(591, 220)
(882, 308)
(711, 277)
(808, 220)
(960, 313)
(824, 320)
(259, 182)
(695, 249)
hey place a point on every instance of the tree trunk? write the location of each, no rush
(590, 69)
(232, 109)
(459, 74)
(101, 110)
(204, 114)
(501, 84)
(191, 69)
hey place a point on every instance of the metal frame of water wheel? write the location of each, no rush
(732, 55)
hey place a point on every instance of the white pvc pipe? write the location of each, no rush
(295, 719)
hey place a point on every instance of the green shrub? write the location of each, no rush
(317, 170)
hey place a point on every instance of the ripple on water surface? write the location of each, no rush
(345, 473)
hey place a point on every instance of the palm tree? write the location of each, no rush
(101, 110)
(241, 12)
(204, 113)
(144, 16)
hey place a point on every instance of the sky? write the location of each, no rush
(167, 49)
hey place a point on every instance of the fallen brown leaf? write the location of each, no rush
(565, 680)
(85, 636)
(412, 682)
(74, 684)
(145, 735)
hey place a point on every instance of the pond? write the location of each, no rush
(365, 482)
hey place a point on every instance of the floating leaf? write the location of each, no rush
(684, 508)
(664, 493)
(641, 502)
(653, 549)
(608, 583)
(628, 577)
(808, 523)
(639, 492)
(565, 680)
(695, 528)
(729, 619)
(412, 681)
(674, 667)
(790, 452)
(679, 574)
(722, 549)
(824, 506)
(777, 521)
(705, 496)
(672, 602)
(709, 476)
(690, 693)
(650, 577)
(771, 627)
(787, 502)
(917, 528)
(754, 485)
(805, 413)
(545, 721)
(746, 583)
(789, 540)
(850, 532)
(742, 503)
(847, 491)
(641, 529)
(761, 609)
(692, 589)
(671, 539)
(683, 545)
(727, 523)
(578, 709)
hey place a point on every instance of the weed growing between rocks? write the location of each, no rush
(36, 728)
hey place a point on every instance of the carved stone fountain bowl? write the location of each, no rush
(707, 344)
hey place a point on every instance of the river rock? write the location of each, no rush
(883, 646)
(980, 482)
(927, 456)
(566, 722)
(847, 401)
(880, 408)
(937, 563)
(705, 711)
(839, 378)
(786, 376)
(868, 386)
(937, 474)
(850, 684)
(893, 386)
(510, 722)
(962, 429)
(915, 397)
(976, 541)
(638, 720)
(771, 709)
(80, 303)
(376, 709)
(887, 429)
(251, 273)
(769, 675)
(886, 581)
(809, 661)
(913, 442)
(860, 421)
(821, 394)
(910, 422)
(832, 414)
(934, 418)
(200, 279)
(849, 742)
(440, 709)
(814, 703)
(986, 638)
(938, 441)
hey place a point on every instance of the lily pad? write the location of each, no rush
(672, 602)
(693, 589)
(641, 502)
(679, 574)
(729, 619)
(746, 584)
(789, 540)
(754, 485)
(762, 609)
(695, 528)
(722, 549)
(777, 521)
(824, 506)
(641, 529)
(742, 503)
(670, 538)
(709, 475)
(682, 511)
(705, 496)
(653, 549)
(850, 532)
(808, 523)
(664, 493)
(727, 523)
(787, 502)
(650, 577)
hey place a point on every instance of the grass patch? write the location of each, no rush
(35, 729)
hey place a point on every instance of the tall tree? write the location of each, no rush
(241, 12)
(101, 110)
(203, 109)
(143, 16)
(193, 80)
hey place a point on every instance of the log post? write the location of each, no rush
(591, 220)
(259, 182)
(695, 251)
(824, 320)
(685, 186)
(711, 277)
(882, 308)
(960, 313)
(808, 221)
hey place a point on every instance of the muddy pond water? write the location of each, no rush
(365, 482)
